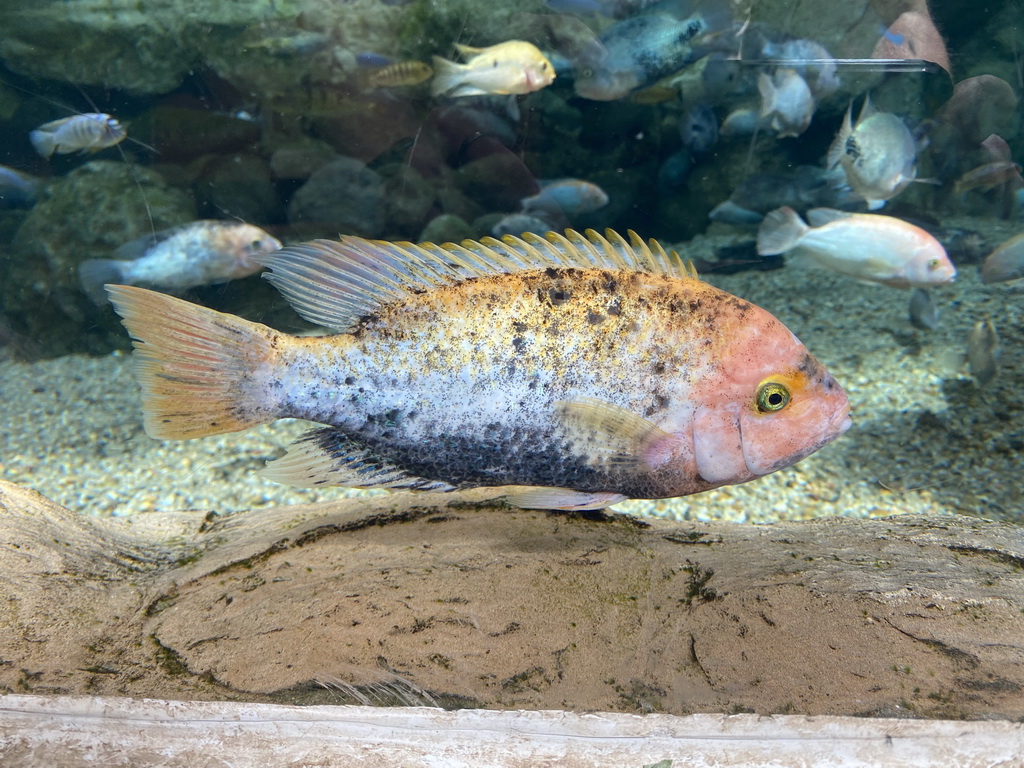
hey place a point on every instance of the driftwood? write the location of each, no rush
(425, 600)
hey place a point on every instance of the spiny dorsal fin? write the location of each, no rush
(335, 283)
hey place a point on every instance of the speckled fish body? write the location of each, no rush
(402, 73)
(200, 253)
(89, 132)
(588, 380)
(645, 48)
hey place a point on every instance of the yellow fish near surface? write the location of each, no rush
(585, 370)
(403, 73)
(512, 67)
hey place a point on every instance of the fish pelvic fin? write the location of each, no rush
(780, 231)
(562, 499)
(199, 369)
(327, 456)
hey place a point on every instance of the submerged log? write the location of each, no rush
(417, 599)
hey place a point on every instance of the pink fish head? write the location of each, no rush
(771, 405)
(929, 264)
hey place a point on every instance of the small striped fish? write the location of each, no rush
(89, 132)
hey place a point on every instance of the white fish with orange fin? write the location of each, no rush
(512, 67)
(89, 132)
(585, 370)
(198, 253)
(869, 247)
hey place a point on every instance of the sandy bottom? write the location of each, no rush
(925, 437)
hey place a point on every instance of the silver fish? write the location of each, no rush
(90, 132)
(199, 253)
(878, 154)
(786, 102)
(983, 352)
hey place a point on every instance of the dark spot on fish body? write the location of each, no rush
(558, 296)
(518, 344)
(614, 309)
(595, 318)
(350, 380)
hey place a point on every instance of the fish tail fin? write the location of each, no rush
(766, 88)
(198, 368)
(447, 76)
(93, 274)
(780, 231)
(44, 142)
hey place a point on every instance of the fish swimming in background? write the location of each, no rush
(90, 132)
(983, 352)
(878, 154)
(698, 128)
(786, 102)
(584, 370)
(512, 67)
(198, 253)
(399, 74)
(1004, 263)
(17, 188)
(922, 312)
(877, 249)
(642, 49)
(810, 59)
(805, 187)
(573, 196)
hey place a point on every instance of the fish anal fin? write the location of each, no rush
(562, 498)
(327, 456)
(613, 437)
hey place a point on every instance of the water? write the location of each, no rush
(266, 112)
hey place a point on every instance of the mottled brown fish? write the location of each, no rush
(584, 370)
(402, 73)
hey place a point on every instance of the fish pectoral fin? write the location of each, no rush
(562, 498)
(612, 437)
(327, 456)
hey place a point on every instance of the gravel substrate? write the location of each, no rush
(925, 437)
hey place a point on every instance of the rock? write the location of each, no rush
(471, 605)
(239, 186)
(408, 200)
(446, 228)
(343, 197)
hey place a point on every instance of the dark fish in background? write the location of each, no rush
(1004, 263)
(983, 352)
(17, 188)
(89, 132)
(806, 187)
(643, 49)
(698, 128)
(674, 171)
(562, 34)
(923, 312)
(198, 253)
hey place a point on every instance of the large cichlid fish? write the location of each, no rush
(585, 370)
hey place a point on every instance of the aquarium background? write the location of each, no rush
(278, 114)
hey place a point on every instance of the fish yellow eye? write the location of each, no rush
(933, 264)
(771, 396)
